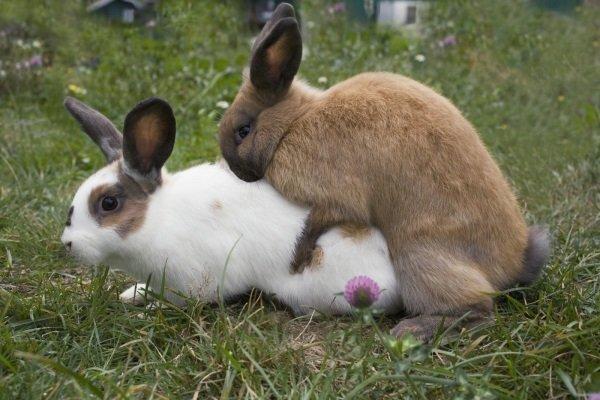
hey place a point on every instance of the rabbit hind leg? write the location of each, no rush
(439, 291)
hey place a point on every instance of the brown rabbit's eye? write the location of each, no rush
(241, 133)
(109, 203)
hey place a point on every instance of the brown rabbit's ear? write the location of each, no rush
(149, 136)
(97, 127)
(283, 10)
(277, 52)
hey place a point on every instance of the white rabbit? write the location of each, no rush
(204, 231)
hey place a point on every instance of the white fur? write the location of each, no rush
(208, 231)
(135, 294)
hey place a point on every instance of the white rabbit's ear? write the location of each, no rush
(149, 136)
(276, 53)
(97, 127)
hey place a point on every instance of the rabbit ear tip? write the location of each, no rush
(70, 101)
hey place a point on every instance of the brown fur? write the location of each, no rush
(216, 205)
(133, 200)
(384, 150)
(356, 232)
(149, 133)
(381, 149)
(425, 327)
(316, 258)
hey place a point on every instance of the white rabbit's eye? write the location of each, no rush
(109, 203)
(241, 133)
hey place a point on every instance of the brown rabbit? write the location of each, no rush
(384, 150)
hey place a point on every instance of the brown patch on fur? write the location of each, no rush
(129, 215)
(317, 258)
(354, 231)
(216, 205)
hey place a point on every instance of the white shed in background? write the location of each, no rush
(404, 13)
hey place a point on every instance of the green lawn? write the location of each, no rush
(529, 81)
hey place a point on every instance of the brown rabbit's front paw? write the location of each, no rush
(302, 257)
(306, 246)
(314, 260)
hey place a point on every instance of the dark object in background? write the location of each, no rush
(260, 11)
(559, 5)
(91, 63)
(126, 11)
(361, 11)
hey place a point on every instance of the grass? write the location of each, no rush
(527, 79)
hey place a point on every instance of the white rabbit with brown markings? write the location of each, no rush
(202, 229)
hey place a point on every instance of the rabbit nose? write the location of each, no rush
(68, 245)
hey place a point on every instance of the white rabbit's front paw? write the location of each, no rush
(135, 295)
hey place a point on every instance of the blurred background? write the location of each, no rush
(524, 72)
